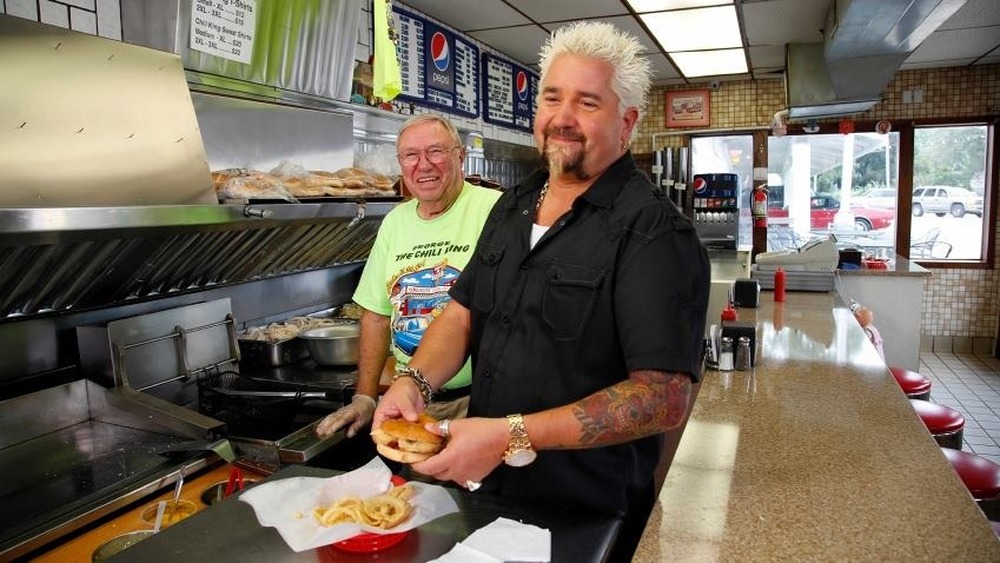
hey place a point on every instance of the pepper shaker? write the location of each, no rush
(743, 354)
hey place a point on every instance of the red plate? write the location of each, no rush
(368, 542)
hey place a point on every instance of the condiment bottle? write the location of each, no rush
(726, 354)
(743, 354)
(729, 313)
(779, 285)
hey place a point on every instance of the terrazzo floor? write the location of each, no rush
(969, 384)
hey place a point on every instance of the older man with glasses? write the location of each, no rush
(421, 248)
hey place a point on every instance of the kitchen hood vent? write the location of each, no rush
(864, 44)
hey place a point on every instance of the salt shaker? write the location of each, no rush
(726, 354)
(743, 354)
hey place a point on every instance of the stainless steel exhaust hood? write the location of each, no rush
(865, 42)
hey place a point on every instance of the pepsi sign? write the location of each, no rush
(522, 85)
(439, 54)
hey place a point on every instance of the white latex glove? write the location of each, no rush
(357, 414)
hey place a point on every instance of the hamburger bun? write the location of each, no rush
(407, 442)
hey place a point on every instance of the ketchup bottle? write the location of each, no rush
(779, 285)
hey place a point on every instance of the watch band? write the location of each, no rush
(519, 452)
(414, 373)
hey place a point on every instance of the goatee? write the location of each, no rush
(562, 159)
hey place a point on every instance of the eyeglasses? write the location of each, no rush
(434, 155)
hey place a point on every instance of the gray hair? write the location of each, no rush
(631, 73)
(432, 118)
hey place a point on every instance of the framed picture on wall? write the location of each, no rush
(688, 108)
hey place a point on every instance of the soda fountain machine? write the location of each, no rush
(716, 209)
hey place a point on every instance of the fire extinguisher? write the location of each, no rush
(758, 206)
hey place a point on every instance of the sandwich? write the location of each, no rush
(407, 442)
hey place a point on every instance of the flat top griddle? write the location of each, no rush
(62, 475)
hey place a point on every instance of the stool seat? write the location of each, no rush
(945, 424)
(938, 418)
(914, 385)
(980, 475)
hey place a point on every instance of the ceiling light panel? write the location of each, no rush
(692, 30)
(641, 6)
(711, 63)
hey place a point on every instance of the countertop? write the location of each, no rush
(229, 531)
(898, 266)
(815, 455)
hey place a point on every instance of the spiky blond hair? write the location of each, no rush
(631, 73)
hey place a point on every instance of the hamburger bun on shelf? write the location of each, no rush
(407, 442)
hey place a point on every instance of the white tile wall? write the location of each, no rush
(96, 17)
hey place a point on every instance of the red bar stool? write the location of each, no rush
(914, 385)
(981, 476)
(944, 423)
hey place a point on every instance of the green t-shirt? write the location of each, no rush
(413, 263)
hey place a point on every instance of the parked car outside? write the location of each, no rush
(946, 199)
(823, 210)
(880, 197)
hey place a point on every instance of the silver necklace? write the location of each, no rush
(541, 198)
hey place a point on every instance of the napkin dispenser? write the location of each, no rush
(746, 293)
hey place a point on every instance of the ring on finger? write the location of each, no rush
(472, 485)
(443, 428)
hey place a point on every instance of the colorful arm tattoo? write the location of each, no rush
(648, 403)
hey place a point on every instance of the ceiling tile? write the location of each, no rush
(464, 15)
(991, 60)
(768, 55)
(785, 21)
(955, 44)
(521, 43)
(975, 13)
(544, 11)
(663, 71)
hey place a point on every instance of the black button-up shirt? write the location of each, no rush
(619, 283)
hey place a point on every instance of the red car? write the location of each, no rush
(823, 209)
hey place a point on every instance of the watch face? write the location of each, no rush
(520, 458)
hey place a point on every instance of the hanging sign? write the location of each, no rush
(224, 28)
(438, 68)
(509, 93)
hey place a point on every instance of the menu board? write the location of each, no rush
(508, 93)
(224, 28)
(437, 67)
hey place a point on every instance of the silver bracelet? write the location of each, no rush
(413, 373)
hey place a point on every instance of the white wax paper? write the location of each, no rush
(287, 504)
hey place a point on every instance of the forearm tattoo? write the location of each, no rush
(648, 403)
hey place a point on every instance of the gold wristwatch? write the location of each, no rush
(519, 450)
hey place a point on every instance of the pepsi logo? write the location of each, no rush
(700, 185)
(440, 51)
(522, 85)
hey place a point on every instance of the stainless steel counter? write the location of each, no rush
(816, 455)
(229, 531)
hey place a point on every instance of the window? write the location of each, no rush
(949, 193)
(845, 185)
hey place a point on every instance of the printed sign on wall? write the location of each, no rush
(224, 28)
(438, 68)
(508, 93)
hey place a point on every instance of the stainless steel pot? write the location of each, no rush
(335, 345)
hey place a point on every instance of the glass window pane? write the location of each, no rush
(949, 180)
(844, 185)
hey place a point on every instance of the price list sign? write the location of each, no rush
(508, 93)
(437, 67)
(224, 28)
